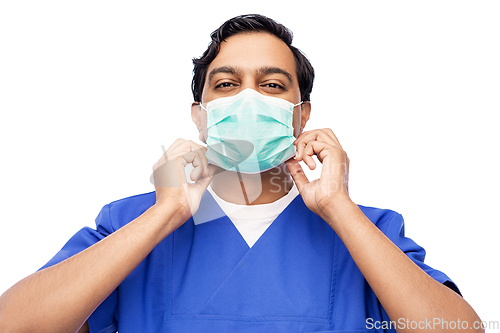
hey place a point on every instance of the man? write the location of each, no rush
(238, 248)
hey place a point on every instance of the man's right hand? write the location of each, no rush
(171, 185)
(57, 298)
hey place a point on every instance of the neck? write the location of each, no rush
(252, 189)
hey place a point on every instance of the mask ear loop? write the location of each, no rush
(300, 129)
(201, 105)
(205, 133)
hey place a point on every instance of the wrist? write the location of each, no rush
(168, 218)
(335, 212)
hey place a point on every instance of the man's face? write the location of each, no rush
(259, 61)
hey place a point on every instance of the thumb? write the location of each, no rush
(298, 175)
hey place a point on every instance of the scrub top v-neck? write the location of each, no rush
(253, 220)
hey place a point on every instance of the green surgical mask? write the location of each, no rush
(249, 132)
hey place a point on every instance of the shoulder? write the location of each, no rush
(120, 212)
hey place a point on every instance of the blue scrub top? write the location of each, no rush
(298, 277)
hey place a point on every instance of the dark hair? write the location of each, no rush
(254, 22)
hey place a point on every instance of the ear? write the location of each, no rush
(197, 119)
(304, 115)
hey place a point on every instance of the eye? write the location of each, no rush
(224, 85)
(273, 86)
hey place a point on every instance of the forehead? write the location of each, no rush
(252, 51)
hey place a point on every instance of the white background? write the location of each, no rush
(89, 91)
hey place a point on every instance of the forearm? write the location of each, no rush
(60, 298)
(404, 290)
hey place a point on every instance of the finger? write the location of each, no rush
(301, 135)
(336, 167)
(298, 175)
(169, 174)
(301, 142)
(202, 153)
(306, 136)
(196, 173)
(300, 148)
(307, 153)
(182, 146)
(205, 181)
(200, 166)
(169, 170)
(317, 148)
(317, 135)
(195, 160)
(332, 136)
(186, 157)
(169, 154)
(323, 150)
(175, 146)
(192, 147)
(324, 135)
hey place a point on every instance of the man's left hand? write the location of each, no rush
(332, 186)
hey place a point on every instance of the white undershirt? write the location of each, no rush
(252, 220)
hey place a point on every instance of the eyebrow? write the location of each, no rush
(261, 71)
(274, 70)
(223, 69)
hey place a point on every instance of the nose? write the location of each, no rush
(249, 83)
